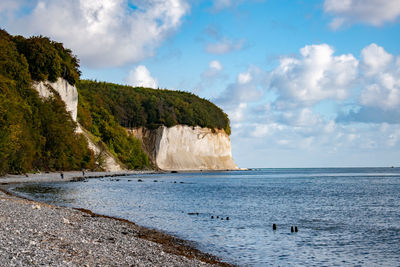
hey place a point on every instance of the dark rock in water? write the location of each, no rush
(77, 179)
(140, 180)
(129, 180)
(193, 213)
(222, 219)
(274, 226)
(291, 229)
(181, 182)
(296, 229)
(117, 180)
(174, 172)
(217, 217)
(227, 218)
(155, 181)
(174, 182)
(212, 217)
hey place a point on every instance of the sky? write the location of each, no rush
(311, 83)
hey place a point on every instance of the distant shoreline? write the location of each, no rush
(167, 244)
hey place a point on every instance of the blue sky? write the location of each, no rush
(305, 83)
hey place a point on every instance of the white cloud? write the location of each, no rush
(382, 79)
(236, 113)
(314, 76)
(373, 12)
(375, 59)
(215, 65)
(103, 32)
(9, 5)
(244, 77)
(224, 46)
(304, 117)
(141, 77)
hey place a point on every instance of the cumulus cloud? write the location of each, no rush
(103, 32)
(382, 79)
(375, 59)
(314, 76)
(290, 93)
(141, 77)
(372, 12)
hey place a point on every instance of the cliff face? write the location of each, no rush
(180, 147)
(69, 95)
(67, 92)
(187, 148)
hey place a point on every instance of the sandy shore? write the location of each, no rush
(33, 234)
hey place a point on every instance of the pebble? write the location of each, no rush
(34, 235)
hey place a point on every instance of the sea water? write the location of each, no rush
(345, 216)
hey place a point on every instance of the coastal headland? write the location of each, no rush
(34, 233)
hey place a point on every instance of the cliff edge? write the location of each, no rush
(186, 148)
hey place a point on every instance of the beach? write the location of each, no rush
(34, 233)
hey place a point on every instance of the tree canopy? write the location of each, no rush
(138, 106)
(39, 134)
(36, 134)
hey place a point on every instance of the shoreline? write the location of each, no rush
(182, 252)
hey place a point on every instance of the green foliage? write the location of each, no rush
(47, 59)
(35, 134)
(105, 108)
(101, 123)
(135, 107)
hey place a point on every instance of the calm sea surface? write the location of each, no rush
(345, 216)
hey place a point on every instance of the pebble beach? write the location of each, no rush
(38, 234)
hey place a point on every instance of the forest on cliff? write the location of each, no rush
(39, 134)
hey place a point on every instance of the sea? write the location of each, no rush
(344, 216)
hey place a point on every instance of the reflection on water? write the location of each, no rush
(345, 216)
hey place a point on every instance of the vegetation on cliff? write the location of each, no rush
(37, 134)
(137, 106)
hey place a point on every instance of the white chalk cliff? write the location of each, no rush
(180, 148)
(184, 148)
(69, 94)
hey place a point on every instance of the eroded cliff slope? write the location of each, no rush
(69, 95)
(184, 148)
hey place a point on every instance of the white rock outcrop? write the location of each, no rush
(67, 92)
(185, 148)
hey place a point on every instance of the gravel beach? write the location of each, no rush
(38, 234)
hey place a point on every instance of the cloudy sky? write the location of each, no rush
(305, 83)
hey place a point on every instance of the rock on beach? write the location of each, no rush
(33, 234)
